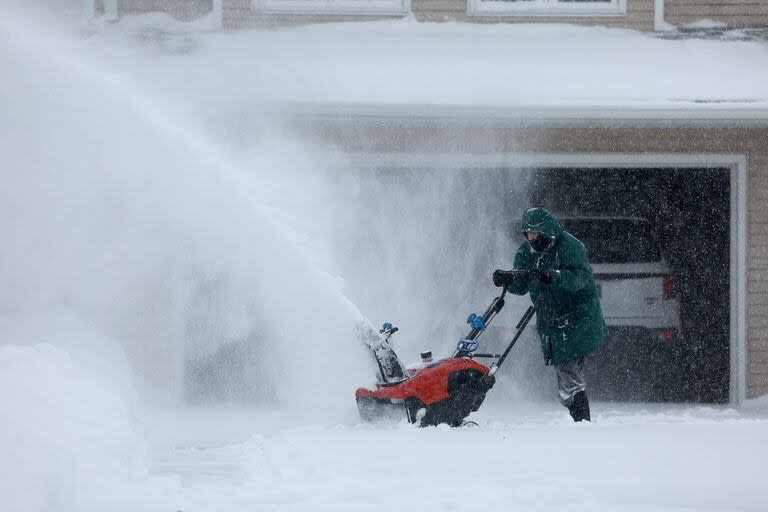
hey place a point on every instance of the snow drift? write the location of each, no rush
(69, 419)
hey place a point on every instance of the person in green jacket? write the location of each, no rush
(552, 266)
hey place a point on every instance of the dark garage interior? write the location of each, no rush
(689, 210)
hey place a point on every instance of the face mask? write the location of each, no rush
(541, 243)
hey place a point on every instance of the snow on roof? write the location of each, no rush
(404, 64)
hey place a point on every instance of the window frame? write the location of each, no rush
(546, 8)
(339, 7)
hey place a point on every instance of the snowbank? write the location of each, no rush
(68, 425)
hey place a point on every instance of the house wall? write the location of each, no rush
(639, 14)
(757, 279)
(184, 10)
(485, 138)
(237, 13)
(735, 13)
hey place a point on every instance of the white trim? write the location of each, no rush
(683, 113)
(546, 8)
(217, 12)
(739, 269)
(738, 230)
(344, 7)
(658, 16)
(89, 9)
(111, 10)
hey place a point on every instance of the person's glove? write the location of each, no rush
(503, 277)
(541, 276)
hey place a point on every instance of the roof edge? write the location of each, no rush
(684, 114)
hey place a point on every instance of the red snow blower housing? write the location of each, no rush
(443, 391)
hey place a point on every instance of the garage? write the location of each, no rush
(689, 184)
(686, 219)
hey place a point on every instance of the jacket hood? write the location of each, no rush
(541, 221)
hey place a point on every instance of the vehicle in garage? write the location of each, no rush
(635, 282)
(644, 358)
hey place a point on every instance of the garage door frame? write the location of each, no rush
(736, 163)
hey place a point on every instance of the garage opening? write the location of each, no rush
(679, 218)
(660, 236)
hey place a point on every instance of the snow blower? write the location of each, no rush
(443, 391)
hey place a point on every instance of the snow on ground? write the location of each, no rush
(521, 457)
(71, 443)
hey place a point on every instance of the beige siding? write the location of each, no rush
(760, 323)
(454, 7)
(184, 10)
(757, 281)
(237, 13)
(735, 13)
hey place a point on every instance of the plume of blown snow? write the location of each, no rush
(119, 210)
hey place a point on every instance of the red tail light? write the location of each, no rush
(670, 290)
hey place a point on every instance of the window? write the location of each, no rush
(547, 7)
(332, 6)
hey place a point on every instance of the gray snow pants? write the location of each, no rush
(570, 380)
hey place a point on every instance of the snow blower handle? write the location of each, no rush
(468, 344)
(521, 325)
(480, 323)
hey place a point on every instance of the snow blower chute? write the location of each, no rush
(443, 391)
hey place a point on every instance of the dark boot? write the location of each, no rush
(579, 409)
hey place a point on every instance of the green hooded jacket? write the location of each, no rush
(569, 317)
